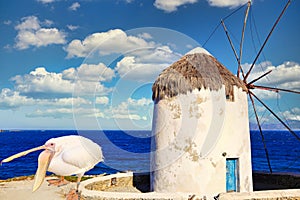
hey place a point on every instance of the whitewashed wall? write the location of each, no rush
(191, 134)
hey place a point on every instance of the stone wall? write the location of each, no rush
(110, 183)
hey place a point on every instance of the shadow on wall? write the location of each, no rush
(261, 181)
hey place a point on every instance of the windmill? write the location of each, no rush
(200, 110)
(252, 85)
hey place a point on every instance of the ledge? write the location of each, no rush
(130, 186)
(99, 189)
(291, 194)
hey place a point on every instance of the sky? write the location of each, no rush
(90, 64)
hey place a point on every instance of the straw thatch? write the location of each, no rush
(194, 71)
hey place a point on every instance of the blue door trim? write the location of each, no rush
(232, 175)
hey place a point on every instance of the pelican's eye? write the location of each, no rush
(52, 144)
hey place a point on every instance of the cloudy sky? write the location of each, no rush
(90, 64)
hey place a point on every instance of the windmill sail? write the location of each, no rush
(251, 85)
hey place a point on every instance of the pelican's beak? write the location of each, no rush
(23, 153)
(43, 164)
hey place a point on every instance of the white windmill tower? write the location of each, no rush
(201, 137)
(201, 128)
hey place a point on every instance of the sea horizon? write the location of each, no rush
(129, 150)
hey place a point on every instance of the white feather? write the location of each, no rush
(74, 155)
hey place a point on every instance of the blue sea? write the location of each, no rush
(130, 150)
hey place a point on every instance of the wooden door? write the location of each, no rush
(232, 175)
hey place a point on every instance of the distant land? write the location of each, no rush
(293, 124)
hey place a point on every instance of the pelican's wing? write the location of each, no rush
(82, 156)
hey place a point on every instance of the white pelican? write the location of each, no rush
(64, 156)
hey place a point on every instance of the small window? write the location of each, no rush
(113, 181)
(229, 97)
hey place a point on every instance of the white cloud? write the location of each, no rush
(10, 99)
(227, 3)
(293, 114)
(145, 36)
(146, 65)
(40, 90)
(284, 76)
(139, 102)
(29, 23)
(7, 22)
(40, 82)
(129, 116)
(258, 68)
(132, 109)
(161, 54)
(89, 72)
(129, 69)
(8, 47)
(46, 1)
(265, 94)
(171, 5)
(72, 27)
(67, 101)
(63, 112)
(47, 22)
(112, 41)
(74, 6)
(54, 113)
(49, 94)
(30, 33)
(102, 100)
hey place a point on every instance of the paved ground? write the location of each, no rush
(20, 190)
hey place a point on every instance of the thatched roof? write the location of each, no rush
(194, 71)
